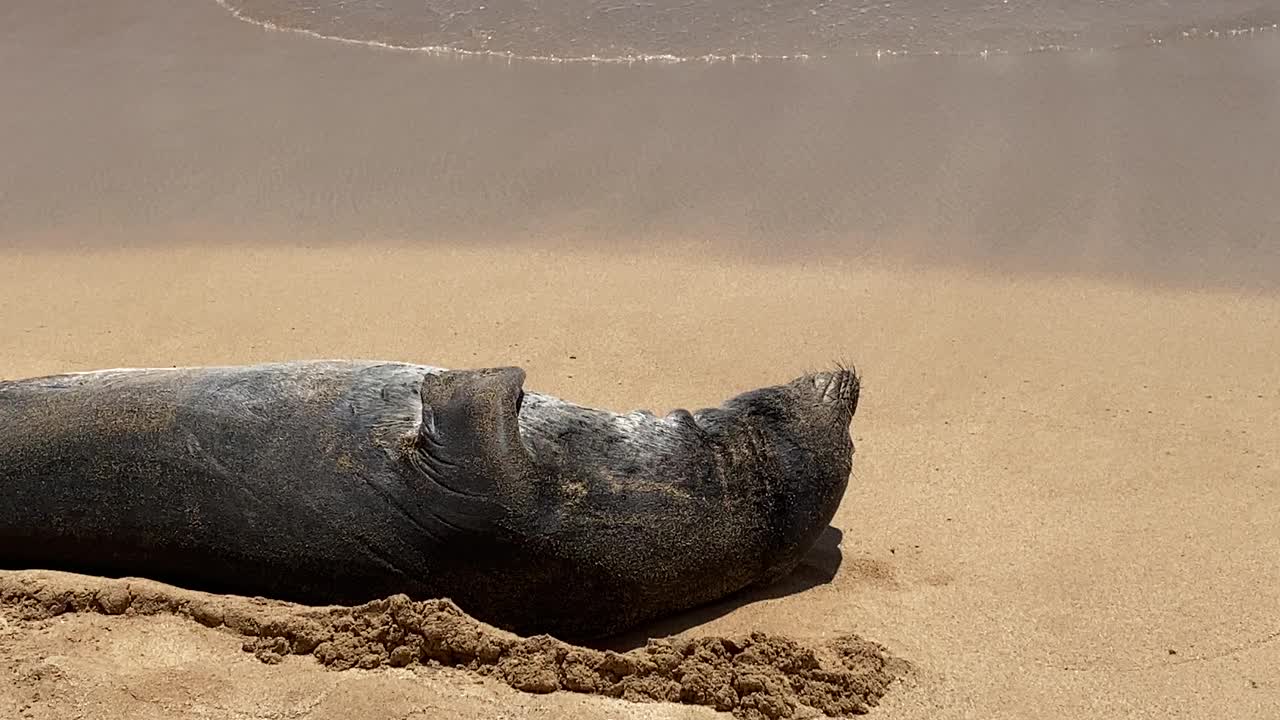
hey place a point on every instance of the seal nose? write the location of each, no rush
(828, 385)
(837, 387)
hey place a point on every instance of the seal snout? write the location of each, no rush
(837, 388)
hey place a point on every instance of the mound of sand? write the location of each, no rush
(754, 676)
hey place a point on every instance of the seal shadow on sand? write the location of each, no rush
(818, 567)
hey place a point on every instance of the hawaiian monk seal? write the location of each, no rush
(338, 482)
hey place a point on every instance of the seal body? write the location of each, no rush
(338, 482)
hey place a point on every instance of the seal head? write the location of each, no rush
(792, 443)
(647, 515)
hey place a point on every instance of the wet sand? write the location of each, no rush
(1053, 272)
(141, 120)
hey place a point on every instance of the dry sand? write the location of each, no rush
(1064, 501)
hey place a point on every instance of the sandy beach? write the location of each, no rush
(1063, 501)
(1058, 290)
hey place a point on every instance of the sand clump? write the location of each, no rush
(753, 676)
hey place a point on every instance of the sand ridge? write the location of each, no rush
(753, 675)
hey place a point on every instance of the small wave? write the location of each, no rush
(446, 51)
(1183, 33)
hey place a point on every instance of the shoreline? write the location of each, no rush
(1183, 31)
(179, 240)
(1151, 163)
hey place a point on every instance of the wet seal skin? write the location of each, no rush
(753, 675)
(341, 482)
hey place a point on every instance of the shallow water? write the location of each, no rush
(150, 122)
(692, 29)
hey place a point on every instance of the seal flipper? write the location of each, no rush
(468, 443)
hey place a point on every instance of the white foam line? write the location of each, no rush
(441, 50)
(265, 363)
(105, 371)
(666, 59)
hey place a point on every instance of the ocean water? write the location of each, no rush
(1146, 148)
(768, 29)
